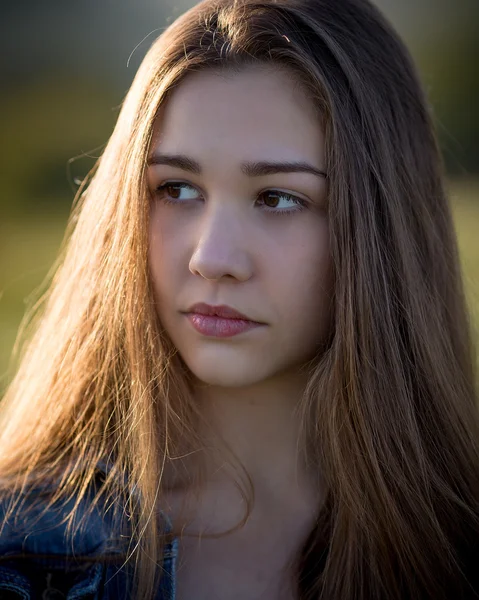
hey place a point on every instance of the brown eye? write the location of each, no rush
(177, 192)
(271, 199)
(173, 190)
(280, 202)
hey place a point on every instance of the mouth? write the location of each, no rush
(219, 321)
(223, 311)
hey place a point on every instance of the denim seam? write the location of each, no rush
(15, 588)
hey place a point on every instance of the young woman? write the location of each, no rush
(252, 376)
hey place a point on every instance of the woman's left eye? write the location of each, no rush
(281, 201)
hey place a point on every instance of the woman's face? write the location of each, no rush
(241, 222)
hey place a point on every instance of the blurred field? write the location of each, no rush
(29, 245)
(465, 203)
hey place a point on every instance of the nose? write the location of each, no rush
(222, 247)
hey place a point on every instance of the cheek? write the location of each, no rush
(304, 293)
(304, 274)
(163, 253)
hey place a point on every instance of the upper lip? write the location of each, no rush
(217, 311)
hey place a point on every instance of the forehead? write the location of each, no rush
(256, 113)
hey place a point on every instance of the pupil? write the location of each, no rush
(272, 200)
(173, 191)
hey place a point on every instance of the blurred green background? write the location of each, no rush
(66, 66)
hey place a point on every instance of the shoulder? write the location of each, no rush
(42, 557)
(36, 526)
(39, 558)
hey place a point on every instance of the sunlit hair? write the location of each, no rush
(389, 415)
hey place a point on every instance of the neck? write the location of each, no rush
(261, 426)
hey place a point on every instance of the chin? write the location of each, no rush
(227, 374)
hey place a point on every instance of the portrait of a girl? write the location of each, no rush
(252, 376)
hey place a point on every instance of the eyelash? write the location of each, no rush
(301, 204)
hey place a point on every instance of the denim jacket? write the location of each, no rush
(38, 562)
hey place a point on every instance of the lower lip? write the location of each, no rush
(218, 326)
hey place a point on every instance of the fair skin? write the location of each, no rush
(259, 244)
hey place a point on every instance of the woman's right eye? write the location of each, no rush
(176, 191)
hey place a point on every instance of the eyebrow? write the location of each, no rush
(252, 169)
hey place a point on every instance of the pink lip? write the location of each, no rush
(219, 321)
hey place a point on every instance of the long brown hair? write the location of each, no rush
(389, 415)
